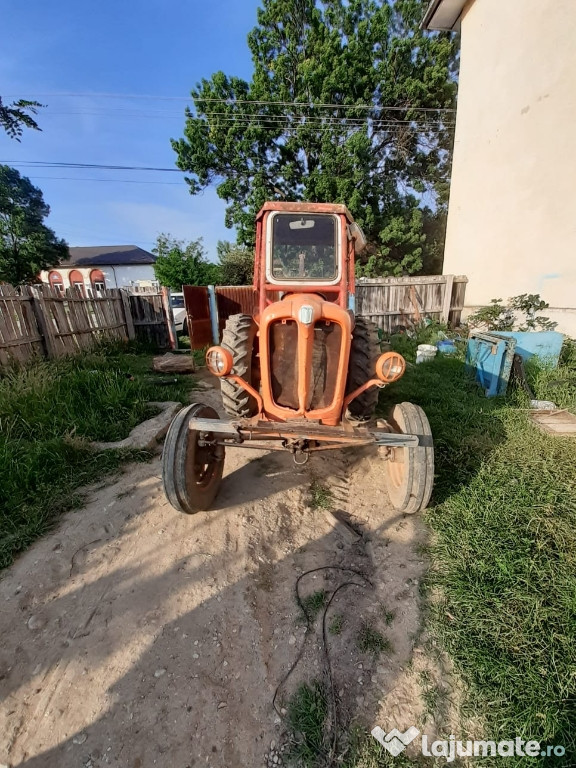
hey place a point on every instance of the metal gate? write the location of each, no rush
(198, 315)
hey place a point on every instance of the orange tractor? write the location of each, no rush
(302, 374)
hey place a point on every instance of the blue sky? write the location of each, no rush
(63, 54)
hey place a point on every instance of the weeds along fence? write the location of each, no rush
(41, 321)
(401, 302)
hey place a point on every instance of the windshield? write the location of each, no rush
(177, 302)
(304, 247)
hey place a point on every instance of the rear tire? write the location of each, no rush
(364, 353)
(410, 472)
(191, 473)
(239, 339)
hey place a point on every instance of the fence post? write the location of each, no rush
(447, 299)
(213, 304)
(127, 314)
(165, 293)
(46, 331)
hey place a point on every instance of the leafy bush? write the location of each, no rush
(520, 311)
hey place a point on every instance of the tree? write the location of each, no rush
(236, 263)
(180, 263)
(349, 102)
(27, 245)
(14, 116)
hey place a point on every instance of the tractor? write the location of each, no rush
(302, 373)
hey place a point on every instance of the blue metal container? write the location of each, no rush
(490, 356)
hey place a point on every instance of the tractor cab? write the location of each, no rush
(306, 248)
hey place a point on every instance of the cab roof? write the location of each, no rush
(305, 208)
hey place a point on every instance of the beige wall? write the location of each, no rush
(512, 215)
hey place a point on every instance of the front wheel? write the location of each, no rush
(192, 465)
(410, 471)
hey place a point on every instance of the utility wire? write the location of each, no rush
(310, 105)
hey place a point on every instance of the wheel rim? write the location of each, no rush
(397, 468)
(202, 462)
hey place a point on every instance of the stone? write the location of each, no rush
(159, 672)
(80, 738)
(36, 621)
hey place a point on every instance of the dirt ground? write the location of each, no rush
(134, 636)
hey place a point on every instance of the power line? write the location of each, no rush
(310, 105)
(54, 164)
(108, 181)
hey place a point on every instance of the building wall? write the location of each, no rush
(512, 215)
(115, 277)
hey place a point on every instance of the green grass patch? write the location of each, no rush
(307, 711)
(336, 624)
(320, 496)
(370, 640)
(503, 550)
(49, 411)
(312, 604)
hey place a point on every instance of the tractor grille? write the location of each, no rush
(284, 363)
(321, 383)
(325, 354)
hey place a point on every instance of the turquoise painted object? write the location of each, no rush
(490, 355)
(545, 345)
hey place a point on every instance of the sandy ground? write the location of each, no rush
(133, 635)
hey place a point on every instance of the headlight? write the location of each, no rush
(390, 367)
(219, 361)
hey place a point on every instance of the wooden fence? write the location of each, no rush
(399, 302)
(151, 316)
(40, 321)
(392, 303)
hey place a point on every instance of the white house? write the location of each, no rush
(103, 266)
(511, 221)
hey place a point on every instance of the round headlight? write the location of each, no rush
(390, 367)
(219, 361)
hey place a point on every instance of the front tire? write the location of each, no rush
(191, 472)
(239, 338)
(364, 353)
(410, 471)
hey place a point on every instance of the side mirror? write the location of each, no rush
(358, 236)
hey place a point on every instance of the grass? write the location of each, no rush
(307, 711)
(320, 496)
(49, 411)
(312, 604)
(370, 640)
(336, 624)
(502, 584)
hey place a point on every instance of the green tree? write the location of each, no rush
(349, 102)
(180, 263)
(236, 263)
(13, 117)
(27, 245)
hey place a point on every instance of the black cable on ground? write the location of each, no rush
(333, 703)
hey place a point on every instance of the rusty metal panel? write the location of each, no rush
(234, 300)
(198, 315)
(284, 363)
(324, 369)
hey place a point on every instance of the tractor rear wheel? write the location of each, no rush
(191, 469)
(410, 471)
(239, 339)
(364, 353)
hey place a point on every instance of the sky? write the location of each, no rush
(115, 78)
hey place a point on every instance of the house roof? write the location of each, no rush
(443, 15)
(112, 255)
